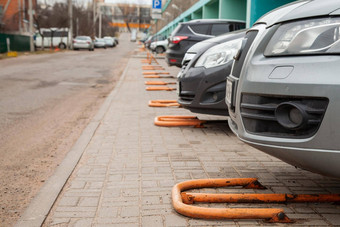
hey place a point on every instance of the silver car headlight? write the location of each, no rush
(219, 54)
(188, 57)
(315, 36)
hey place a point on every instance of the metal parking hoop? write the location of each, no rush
(149, 59)
(152, 67)
(158, 76)
(180, 200)
(163, 88)
(158, 83)
(155, 73)
(175, 121)
(164, 103)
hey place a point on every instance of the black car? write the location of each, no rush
(202, 79)
(189, 33)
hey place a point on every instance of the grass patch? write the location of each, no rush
(47, 51)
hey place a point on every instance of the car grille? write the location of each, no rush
(258, 115)
(185, 95)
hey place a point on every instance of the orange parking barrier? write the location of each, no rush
(158, 83)
(152, 67)
(157, 76)
(164, 88)
(149, 59)
(181, 200)
(164, 103)
(155, 73)
(174, 121)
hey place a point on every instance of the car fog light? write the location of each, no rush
(291, 115)
(215, 96)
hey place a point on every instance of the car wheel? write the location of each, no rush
(159, 50)
(62, 46)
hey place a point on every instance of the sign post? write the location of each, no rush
(156, 9)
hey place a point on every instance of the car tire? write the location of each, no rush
(62, 46)
(160, 50)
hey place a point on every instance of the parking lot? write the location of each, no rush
(128, 167)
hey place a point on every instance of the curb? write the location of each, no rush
(43, 202)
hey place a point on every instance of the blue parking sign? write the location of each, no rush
(157, 4)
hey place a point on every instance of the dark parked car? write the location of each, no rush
(202, 80)
(189, 33)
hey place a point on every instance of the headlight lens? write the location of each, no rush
(219, 54)
(188, 57)
(316, 36)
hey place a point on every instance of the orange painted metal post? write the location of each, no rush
(158, 83)
(155, 73)
(164, 103)
(190, 198)
(175, 121)
(152, 67)
(164, 88)
(157, 76)
(152, 58)
(271, 214)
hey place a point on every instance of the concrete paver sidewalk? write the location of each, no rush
(126, 173)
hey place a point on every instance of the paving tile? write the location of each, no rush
(127, 172)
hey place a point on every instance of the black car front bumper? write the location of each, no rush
(203, 90)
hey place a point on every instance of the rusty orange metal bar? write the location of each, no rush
(152, 67)
(190, 198)
(163, 88)
(157, 76)
(149, 59)
(271, 214)
(152, 58)
(181, 199)
(155, 73)
(158, 83)
(164, 103)
(175, 121)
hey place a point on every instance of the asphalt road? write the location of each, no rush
(45, 102)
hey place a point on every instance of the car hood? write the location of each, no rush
(299, 10)
(206, 44)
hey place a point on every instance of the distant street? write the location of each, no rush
(45, 102)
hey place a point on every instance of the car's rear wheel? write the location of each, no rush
(62, 46)
(160, 50)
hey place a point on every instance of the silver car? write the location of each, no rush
(109, 41)
(99, 43)
(283, 93)
(83, 42)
